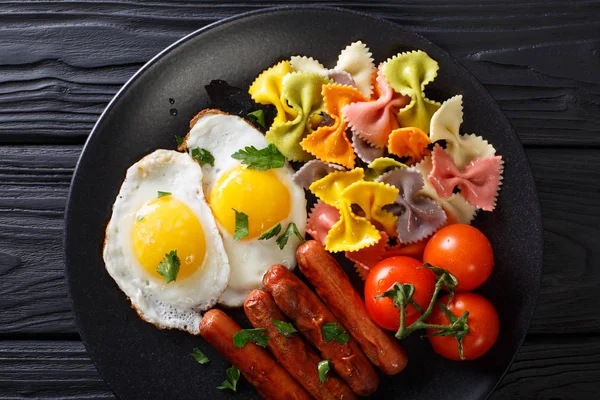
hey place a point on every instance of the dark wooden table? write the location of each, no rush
(61, 62)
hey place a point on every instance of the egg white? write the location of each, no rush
(177, 304)
(223, 134)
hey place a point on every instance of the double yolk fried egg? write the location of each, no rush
(169, 204)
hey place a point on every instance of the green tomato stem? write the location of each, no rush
(403, 331)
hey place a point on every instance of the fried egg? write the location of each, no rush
(268, 198)
(161, 209)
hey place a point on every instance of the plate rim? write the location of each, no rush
(538, 269)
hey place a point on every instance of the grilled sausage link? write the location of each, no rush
(298, 358)
(309, 314)
(270, 379)
(336, 291)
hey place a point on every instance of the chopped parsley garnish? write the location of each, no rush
(179, 139)
(163, 194)
(169, 266)
(140, 218)
(323, 368)
(241, 225)
(257, 336)
(274, 231)
(333, 331)
(233, 376)
(199, 356)
(203, 156)
(285, 328)
(258, 116)
(260, 160)
(291, 229)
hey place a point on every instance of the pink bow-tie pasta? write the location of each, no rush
(478, 182)
(373, 121)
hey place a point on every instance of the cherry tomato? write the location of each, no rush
(463, 251)
(483, 323)
(383, 276)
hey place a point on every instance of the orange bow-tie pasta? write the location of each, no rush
(409, 142)
(330, 143)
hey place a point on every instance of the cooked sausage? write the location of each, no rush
(336, 291)
(298, 358)
(257, 366)
(309, 314)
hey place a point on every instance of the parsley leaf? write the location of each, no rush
(140, 218)
(291, 229)
(285, 328)
(199, 356)
(169, 266)
(274, 231)
(203, 156)
(333, 331)
(257, 336)
(163, 194)
(323, 368)
(260, 160)
(258, 116)
(233, 376)
(179, 139)
(241, 225)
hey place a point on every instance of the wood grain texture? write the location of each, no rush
(569, 192)
(553, 368)
(49, 370)
(545, 369)
(61, 62)
(34, 182)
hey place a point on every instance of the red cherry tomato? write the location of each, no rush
(389, 271)
(463, 251)
(483, 323)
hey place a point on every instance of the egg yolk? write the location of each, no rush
(163, 225)
(258, 194)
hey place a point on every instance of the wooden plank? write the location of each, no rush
(554, 368)
(49, 370)
(569, 192)
(55, 81)
(34, 182)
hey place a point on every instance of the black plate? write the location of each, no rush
(139, 361)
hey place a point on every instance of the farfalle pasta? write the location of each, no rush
(371, 197)
(345, 189)
(320, 220)
(330, 142)
(365, 259)
(302, 91)
(445, 125)
(374, 121)
(382, 165)
(408, 73)
(418, 216)
(479, 181)
(409, 142)
(313, 171)
(387, 164)
(355, 61)
(364, 150)
(457, 208)
(267, 88)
